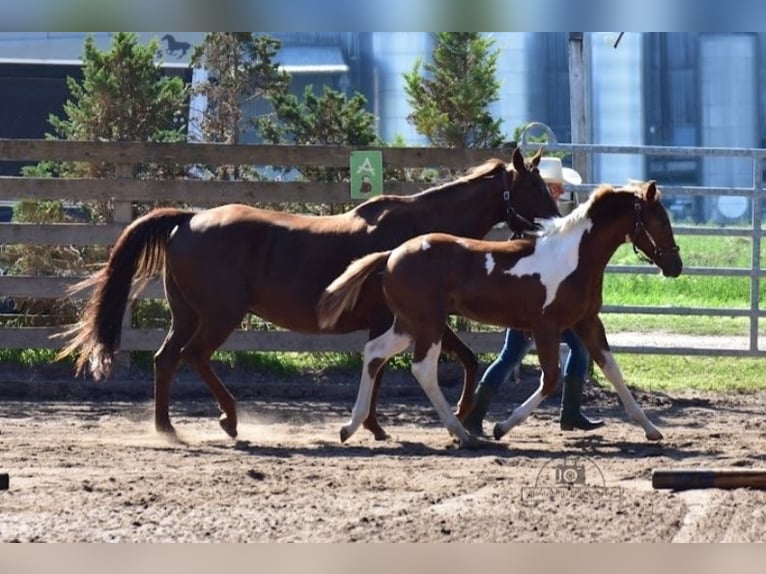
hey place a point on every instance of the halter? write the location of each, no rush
(639, 227)
(511, 214)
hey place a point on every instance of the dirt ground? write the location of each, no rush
(86, 465)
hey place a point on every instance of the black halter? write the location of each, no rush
(511, 215)
(639, 227)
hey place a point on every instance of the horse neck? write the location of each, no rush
(609, 230)
(467, 209)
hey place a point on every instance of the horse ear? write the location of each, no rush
(518, 160)
(650, 191)
(536, 159)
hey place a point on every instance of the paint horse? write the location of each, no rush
(543, 284)
(222, 263)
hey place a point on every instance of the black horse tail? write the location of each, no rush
(138, 253)
(342, 293)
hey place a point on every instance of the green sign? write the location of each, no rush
(366, 174)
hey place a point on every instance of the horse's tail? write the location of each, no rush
(138, 253)
(342, 293)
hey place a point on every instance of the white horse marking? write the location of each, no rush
(555, 257)
(612, 372)
(521, 412)
(489, 263)
(383, 347)
(426, 373)
(424, 245)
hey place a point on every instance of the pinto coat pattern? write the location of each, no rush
(543, 284)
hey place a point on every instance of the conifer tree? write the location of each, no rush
(451, 95)
(241, 70)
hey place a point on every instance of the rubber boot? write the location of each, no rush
(481, 401)
(571, 400)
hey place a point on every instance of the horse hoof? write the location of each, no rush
(165, 428)
(497, 431)
(344, 434)
(380, 434)
(654, 435)
(228, 425)
(377, 431)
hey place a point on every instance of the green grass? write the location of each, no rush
(670, 373)
(687, 290)
(26, 357)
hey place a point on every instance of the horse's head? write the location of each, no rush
(527, 194)
(652, 233)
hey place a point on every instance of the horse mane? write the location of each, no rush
(563, 224)
(372, 209)
(489, 167)
(638, 186)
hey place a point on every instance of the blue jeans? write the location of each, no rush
(517, 346)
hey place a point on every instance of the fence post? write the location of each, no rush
(579, 100)
(123, 214)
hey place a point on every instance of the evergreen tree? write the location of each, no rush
(450, 96)
(330, 119)
(241, 71)
(123, 96)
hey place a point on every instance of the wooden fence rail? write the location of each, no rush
(124, 190)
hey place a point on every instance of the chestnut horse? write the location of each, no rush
(222, 263)
(543, 284)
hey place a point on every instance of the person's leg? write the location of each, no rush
(575, 369)
(514, 349)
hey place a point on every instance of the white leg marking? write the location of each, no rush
(521, 412)
(635, 413)
(425, 372)
(383, 347)
(489, 263)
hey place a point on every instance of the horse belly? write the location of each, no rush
(291, 304)
(504, 305)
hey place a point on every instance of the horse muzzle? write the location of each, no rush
(670, 264)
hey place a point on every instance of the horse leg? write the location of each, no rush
(547, 344)
(425, 364)
(371, 422)
(168, 356)
(225, 400)
(198, 351)
(452, 344)
(376, 352)
(594, 337)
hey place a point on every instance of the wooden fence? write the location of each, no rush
(123, 191)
